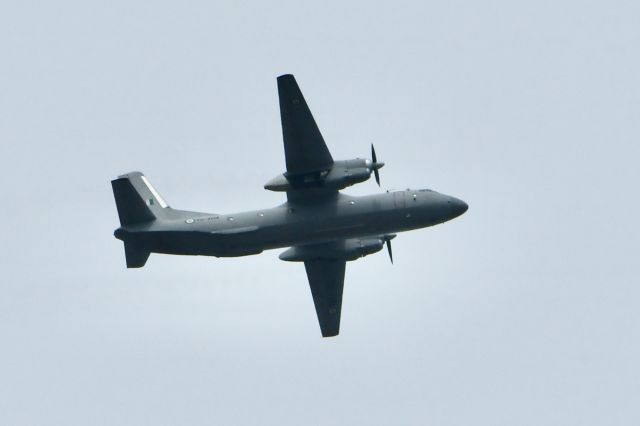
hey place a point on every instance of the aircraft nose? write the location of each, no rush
(458, 207)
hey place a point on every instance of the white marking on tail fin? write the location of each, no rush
(157, 196)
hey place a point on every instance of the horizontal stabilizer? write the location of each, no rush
(136, 258)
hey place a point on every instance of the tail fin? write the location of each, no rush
(137, 201)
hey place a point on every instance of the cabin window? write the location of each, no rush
(230, 219)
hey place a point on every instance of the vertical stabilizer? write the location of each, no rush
(136, 199)
(138, 202)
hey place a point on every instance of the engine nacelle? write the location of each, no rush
(364, 248)
(351, 249)
(341, 175)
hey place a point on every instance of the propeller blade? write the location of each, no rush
(387, 240)
(375, 165)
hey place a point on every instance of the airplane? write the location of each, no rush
(323, 227)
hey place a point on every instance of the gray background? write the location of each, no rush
(523, 311)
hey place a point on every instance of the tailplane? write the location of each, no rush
(135, 257)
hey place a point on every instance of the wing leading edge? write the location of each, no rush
(326, 279)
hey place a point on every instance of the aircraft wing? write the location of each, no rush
(326, 279)
(304, 147)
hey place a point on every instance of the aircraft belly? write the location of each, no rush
(194, 243)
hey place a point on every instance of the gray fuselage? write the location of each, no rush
(330, 218)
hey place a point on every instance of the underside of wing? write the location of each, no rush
(326, 279)
(304, 147)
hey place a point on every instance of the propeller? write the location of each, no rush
(375, 165)
(387, 239)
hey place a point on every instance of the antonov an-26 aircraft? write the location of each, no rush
(323, 227)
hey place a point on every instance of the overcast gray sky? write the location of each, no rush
(523, 311)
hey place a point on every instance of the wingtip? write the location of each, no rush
(330, 330)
